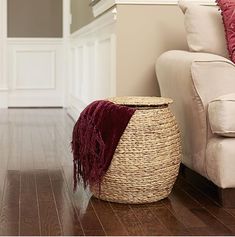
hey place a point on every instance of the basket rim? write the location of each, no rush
(140, 100)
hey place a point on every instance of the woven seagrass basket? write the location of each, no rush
(146, 161)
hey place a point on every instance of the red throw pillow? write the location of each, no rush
(227, 8)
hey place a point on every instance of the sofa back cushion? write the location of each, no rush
(204, 28)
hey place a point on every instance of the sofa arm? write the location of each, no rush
(211, 75)
(192, 80)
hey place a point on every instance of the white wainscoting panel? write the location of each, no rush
(35, 72)
(92, 63)
(103, 71)
(79, 64)
(88, 94)
(41, 73)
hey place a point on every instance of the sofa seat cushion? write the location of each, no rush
(220, 162)
(221, 112)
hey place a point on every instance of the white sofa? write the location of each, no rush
(202, 85)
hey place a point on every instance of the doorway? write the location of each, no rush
(33, 61)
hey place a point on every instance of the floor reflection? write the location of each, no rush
(83, 196)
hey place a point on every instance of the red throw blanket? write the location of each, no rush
(95, 138)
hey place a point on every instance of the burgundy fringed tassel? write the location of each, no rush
(75, 150)
(95, 138)
(75, 180)
(88, 153)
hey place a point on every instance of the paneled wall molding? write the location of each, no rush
(35, 72)
(35, 41)
(48, 58)
(92, 60)
(100, 23)
(103, 5)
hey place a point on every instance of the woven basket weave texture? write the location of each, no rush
(147, 159)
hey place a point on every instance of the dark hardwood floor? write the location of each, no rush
(36, 189)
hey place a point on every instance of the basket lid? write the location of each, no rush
(140, 100)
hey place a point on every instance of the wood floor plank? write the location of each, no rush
(37, 150)
(27, 160)
(10, 185)
(5, 143)
(220, 213)
(12, 188)
(90, 221)
(180, 205)
(169, 221)
(95, 233)
(49, 219)
(200, 231)
(67, 213)
(232, 228)
(128, 219)
(151, 224)
(108, 218)
(50, 224)
(37, 198)
(88, 218)
(29, 210)
(2, 186)
(215, 226)
(15, 148)
(63, 144)
(49, 146)
(9, 216)
(9, 220)
(5, 139)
